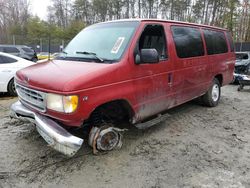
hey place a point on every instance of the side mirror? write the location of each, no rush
(147, 56)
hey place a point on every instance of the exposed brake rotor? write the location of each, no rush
(105, 138)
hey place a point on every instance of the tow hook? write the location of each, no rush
(105, 138)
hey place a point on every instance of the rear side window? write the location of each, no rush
(231, 43)
(29, 50)
(188, 41)
(11, 50)
(4, 59)
(215, 42)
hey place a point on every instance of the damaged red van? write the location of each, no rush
(123, 70)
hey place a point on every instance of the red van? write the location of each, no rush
(123, 70)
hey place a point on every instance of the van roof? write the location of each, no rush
(167, 21)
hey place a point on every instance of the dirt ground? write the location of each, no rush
(196, 147)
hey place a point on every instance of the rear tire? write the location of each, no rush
(34, 59)
(240, 87)
(11, 88)
(212, 96)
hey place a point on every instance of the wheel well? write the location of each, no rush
(114, 111)
(9, 83)
(220, 78)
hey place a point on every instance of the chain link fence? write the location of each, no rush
(44, 44)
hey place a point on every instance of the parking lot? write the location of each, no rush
(196, 147)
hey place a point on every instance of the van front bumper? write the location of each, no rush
(54, 134)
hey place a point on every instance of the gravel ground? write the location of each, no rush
(196, 147)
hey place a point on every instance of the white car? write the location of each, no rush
(9, 64)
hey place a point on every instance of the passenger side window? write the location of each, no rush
(4, 59)
(215, 42)
(188, 41)
(153, 36)
(11, 50)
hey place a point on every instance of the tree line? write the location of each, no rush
(65, 18)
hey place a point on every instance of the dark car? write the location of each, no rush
(242, 64)
(20, 51)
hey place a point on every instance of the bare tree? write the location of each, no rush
(60, 9)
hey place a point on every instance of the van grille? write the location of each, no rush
(32, 98)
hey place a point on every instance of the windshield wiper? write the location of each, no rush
(91, 53)
(64, 52)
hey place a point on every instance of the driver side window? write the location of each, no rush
(153, 36)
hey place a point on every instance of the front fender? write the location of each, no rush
(5, 79)
(123, 91)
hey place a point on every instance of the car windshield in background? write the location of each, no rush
(28, 50)
(241, 56)
(102, 43)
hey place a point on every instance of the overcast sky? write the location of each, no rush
(39, 8)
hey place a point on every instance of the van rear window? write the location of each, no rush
(215, 42)
(188, 41)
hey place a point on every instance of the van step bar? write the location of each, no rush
(160, 118)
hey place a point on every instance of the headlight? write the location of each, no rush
(70, 103)
(66, 104)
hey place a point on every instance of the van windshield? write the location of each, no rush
(102, 43)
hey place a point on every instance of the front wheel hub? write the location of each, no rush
(105, 138)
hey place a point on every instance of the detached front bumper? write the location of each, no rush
(56, 136)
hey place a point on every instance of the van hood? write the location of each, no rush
(60, 75)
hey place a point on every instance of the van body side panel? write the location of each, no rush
(151, 82)
(190, 75)
(147, 88)
(222, 64)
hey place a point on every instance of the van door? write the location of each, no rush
(152, 82)
(190, 63)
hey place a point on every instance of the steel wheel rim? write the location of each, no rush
(13, 88)
(215, 92)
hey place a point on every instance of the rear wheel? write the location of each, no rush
(212, 96)
(240, 87)
(12, 88)
(34, 59)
